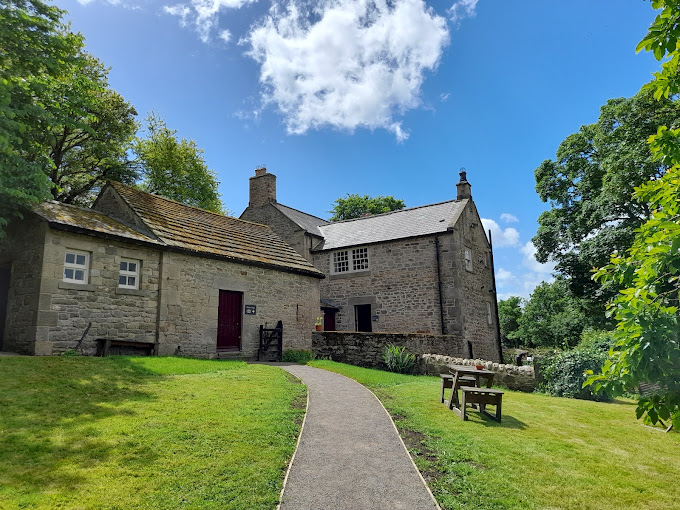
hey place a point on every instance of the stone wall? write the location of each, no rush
(365, 349)
(516, 378)
(190, 297)
(66, 309)
(284, 227)
(24, 256)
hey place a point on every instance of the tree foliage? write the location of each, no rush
(648, 329)
(356, 206)
(35, 49)
(589, 186)
(509, 313)
(551, 318)
(175, 168)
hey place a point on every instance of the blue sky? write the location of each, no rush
(380, 98)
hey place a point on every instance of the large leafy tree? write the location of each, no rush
(175, 168)
(35, 49)
(589, 186)
(509, 313)
(648, 323)
(551, 317)
(355, 206)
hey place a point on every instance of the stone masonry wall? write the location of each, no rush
(24, 255)
(365, 349)
(66, 309)
(190, 299)
(286, 229)
(401, 287)
(516, 378)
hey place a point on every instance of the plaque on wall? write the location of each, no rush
(251, 309)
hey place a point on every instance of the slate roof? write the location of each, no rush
(188, 228)
(70, 217)
(412, 222)
(306, 221)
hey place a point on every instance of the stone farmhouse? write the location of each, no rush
(140, 268)
(424, 269)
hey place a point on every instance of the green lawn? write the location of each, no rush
(548, 452)
(121, 432)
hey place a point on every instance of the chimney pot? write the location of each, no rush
(463, 187)
(260, 171)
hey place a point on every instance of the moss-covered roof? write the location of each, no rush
(204, 232)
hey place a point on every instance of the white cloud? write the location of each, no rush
(503, 275)
(225, 35)
(204, 14)
(501, 237)
(346, 63)
(444, 97)
(509, 218)
(529, 261)
(462, 9)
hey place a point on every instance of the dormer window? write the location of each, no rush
(349, 261)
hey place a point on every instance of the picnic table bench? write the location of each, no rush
(468, 380)
(105, 344)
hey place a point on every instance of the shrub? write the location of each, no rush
(597, 339)
(398, 359)
(300, 356)
(564, 373)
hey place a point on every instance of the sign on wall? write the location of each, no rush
(251, 309)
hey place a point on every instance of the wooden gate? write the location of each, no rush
(229, 320)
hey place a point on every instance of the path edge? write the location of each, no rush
(297, 444)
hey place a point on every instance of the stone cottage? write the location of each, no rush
(424, 269)
(142, 268)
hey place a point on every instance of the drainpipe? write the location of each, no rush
(495, 301)
(439, 285)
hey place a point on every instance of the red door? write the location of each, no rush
(229, 320)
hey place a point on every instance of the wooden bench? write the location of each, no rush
(447, 383)
(105, 344)
(481, 396)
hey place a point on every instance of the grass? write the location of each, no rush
(548, 452)
(122, 432)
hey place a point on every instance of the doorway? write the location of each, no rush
(362, 318)
(229, 315)
(4, 293)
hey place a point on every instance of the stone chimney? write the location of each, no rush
(463, 186)
(262, 188)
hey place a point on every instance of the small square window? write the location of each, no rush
(128, 276)
(76, 266)
(349, 261)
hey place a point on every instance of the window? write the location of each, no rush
(468, 259)
(349, 261)
(128, 277)
(76, 264)
(489, 316)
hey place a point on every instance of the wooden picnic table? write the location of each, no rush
(461, 375)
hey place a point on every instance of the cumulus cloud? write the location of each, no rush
(204, 15)
(346, 63)
(462, 9)
(529, 261)
(501, 237)
(509, 218)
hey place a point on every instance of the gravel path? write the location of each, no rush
(350, 456)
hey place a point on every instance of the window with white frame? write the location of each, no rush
(489, 317)
(128, 275)
(349, 261)
(468, 259)
(76, 264)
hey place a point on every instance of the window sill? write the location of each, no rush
(77, 286)
(131, 292)
(334, 276)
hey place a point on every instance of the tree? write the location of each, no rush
(90, 134)
(355, 206)
(509, 313)
(589, 186)
(175, 169)
(647, 334)
(36, 48)
(551, 317)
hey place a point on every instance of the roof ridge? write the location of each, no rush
(302, 212)
(389, 212)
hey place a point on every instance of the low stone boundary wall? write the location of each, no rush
(365, 349)
(512, 376)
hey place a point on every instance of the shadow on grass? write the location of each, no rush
(50, 409)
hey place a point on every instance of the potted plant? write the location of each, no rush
(319, 323)
(479, 366)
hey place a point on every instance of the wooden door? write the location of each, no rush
(229, 320)
(328, 319)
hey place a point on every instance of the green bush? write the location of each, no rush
(597, 339)
(564, 373)
(300, 356)
(398, 359)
